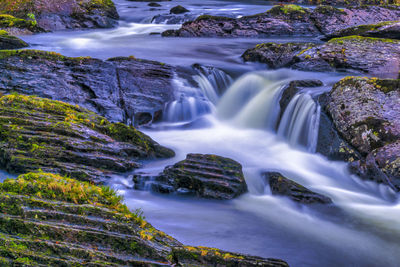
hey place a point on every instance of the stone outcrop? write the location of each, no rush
(17, 26)
(287, 20)
(374, 56)
(53, 136)
(343, 2)
(283, 186)
(121, 89)
(387, 29)
(10, 42)
(366, 112)
(206, 176)
(54, 15)
(47, 219)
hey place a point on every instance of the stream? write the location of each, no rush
(233, 112)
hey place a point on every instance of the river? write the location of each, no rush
(232, 113)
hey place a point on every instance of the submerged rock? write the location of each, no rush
(47, 219)
(10, 42)
(366, 112)
(287, 20)
(121, 89)
(281, 185)
(387, 29)
(207, 176)
(53, 136)
(375, 56)
(70, 14)
(178, 10)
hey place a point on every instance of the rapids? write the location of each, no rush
(233, 111)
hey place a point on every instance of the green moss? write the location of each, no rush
(287, 10)
(356, 38)
(8, 21)
(28, 54)
(209, 17)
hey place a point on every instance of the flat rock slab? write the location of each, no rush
(38, 133)
(48, 219)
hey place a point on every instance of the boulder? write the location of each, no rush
(275, 55)
(366, 113)
(343, 2)
(206, 176)
(125, 90)
(287, 20)
(71, 14)
(10, 42)
(283, 186)
(154, 4)
(37, 133)
(374, 56)
(178, 10)
(48, 219)
(387, 29)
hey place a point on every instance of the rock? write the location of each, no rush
(17, 26)
(207, 176)
(366, 112)
(329, 19)
(287, 20)
(342, 2)
(71, 14)
(173, 19)
(275, 55)
(374, 56)
(387, 29)
(293, 88)
(281, 185)
(37, 133)
(154, 4)
(178, 10)
(10, 42)
(47, 219)
(120, 89)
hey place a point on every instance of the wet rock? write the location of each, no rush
(374, 56)
(342, 2)
(10, 42)
(207, 176)
(37, 133)
(121, 89)
(178, 10)
(173, 19)
(293, 88)
(329, 19)
(366, 111)
(154, 4)
(281, 185)
(47, 219)
(71, 14)
(275, 55)
(388, 29)
(287, 20)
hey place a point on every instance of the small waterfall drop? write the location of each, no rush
(300, 122)
(192, 102)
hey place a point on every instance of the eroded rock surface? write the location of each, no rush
(121, 89)
(47, 219)
(10, 42)
(207, 176)
(53, 136)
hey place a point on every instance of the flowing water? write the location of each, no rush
(232, 109)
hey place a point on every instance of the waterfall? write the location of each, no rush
(300, 122)
(192, 102)
(253, 102)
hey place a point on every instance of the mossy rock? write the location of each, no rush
(10, 42)
(38, 133)
(50, 220)
(386, 29)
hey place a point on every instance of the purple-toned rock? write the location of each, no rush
(387, 29)
(366, 112)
